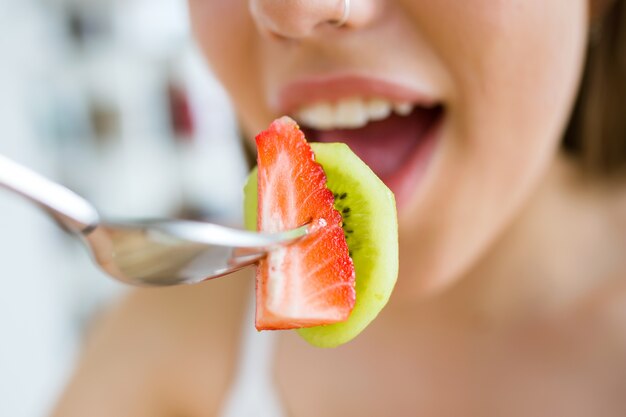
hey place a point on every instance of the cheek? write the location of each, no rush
(515, 64)
(515, 67)
(228, 38)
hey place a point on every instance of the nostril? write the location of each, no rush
(345, 13)
(295, 19)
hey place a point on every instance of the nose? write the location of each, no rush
(297, 19)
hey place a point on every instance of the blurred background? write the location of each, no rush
(112, 99)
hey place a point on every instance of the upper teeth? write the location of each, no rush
(349, 113)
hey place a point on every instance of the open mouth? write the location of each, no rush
(396, 139)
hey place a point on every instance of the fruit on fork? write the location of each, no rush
(335, 281)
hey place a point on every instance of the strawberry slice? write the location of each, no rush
(311, 282)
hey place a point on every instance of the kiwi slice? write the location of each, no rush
(371, 228)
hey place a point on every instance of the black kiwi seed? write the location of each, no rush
(345, 213)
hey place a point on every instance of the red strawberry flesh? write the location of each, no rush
(311, 282)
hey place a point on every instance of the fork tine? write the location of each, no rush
(213, 234)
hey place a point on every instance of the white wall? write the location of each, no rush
(49, 287)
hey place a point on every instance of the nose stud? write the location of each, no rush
(344, 17)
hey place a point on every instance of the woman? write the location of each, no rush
(506, 154)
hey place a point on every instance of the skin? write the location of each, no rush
(498, 76)
(509, 300)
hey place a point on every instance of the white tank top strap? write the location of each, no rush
(253, 393)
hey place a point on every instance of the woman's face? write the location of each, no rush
(458, 106)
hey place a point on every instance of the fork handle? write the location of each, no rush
(70, 209)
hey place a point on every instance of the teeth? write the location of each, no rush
(349, 113)
(378, 109)
(318, 116)
(403, 108)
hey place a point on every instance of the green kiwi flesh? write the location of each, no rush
(371, 228)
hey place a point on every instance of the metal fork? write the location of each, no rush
(146, 252)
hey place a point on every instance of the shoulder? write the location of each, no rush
(171, 349)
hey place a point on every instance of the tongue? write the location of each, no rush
(383, 145)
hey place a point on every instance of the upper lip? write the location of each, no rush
(309, 90)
